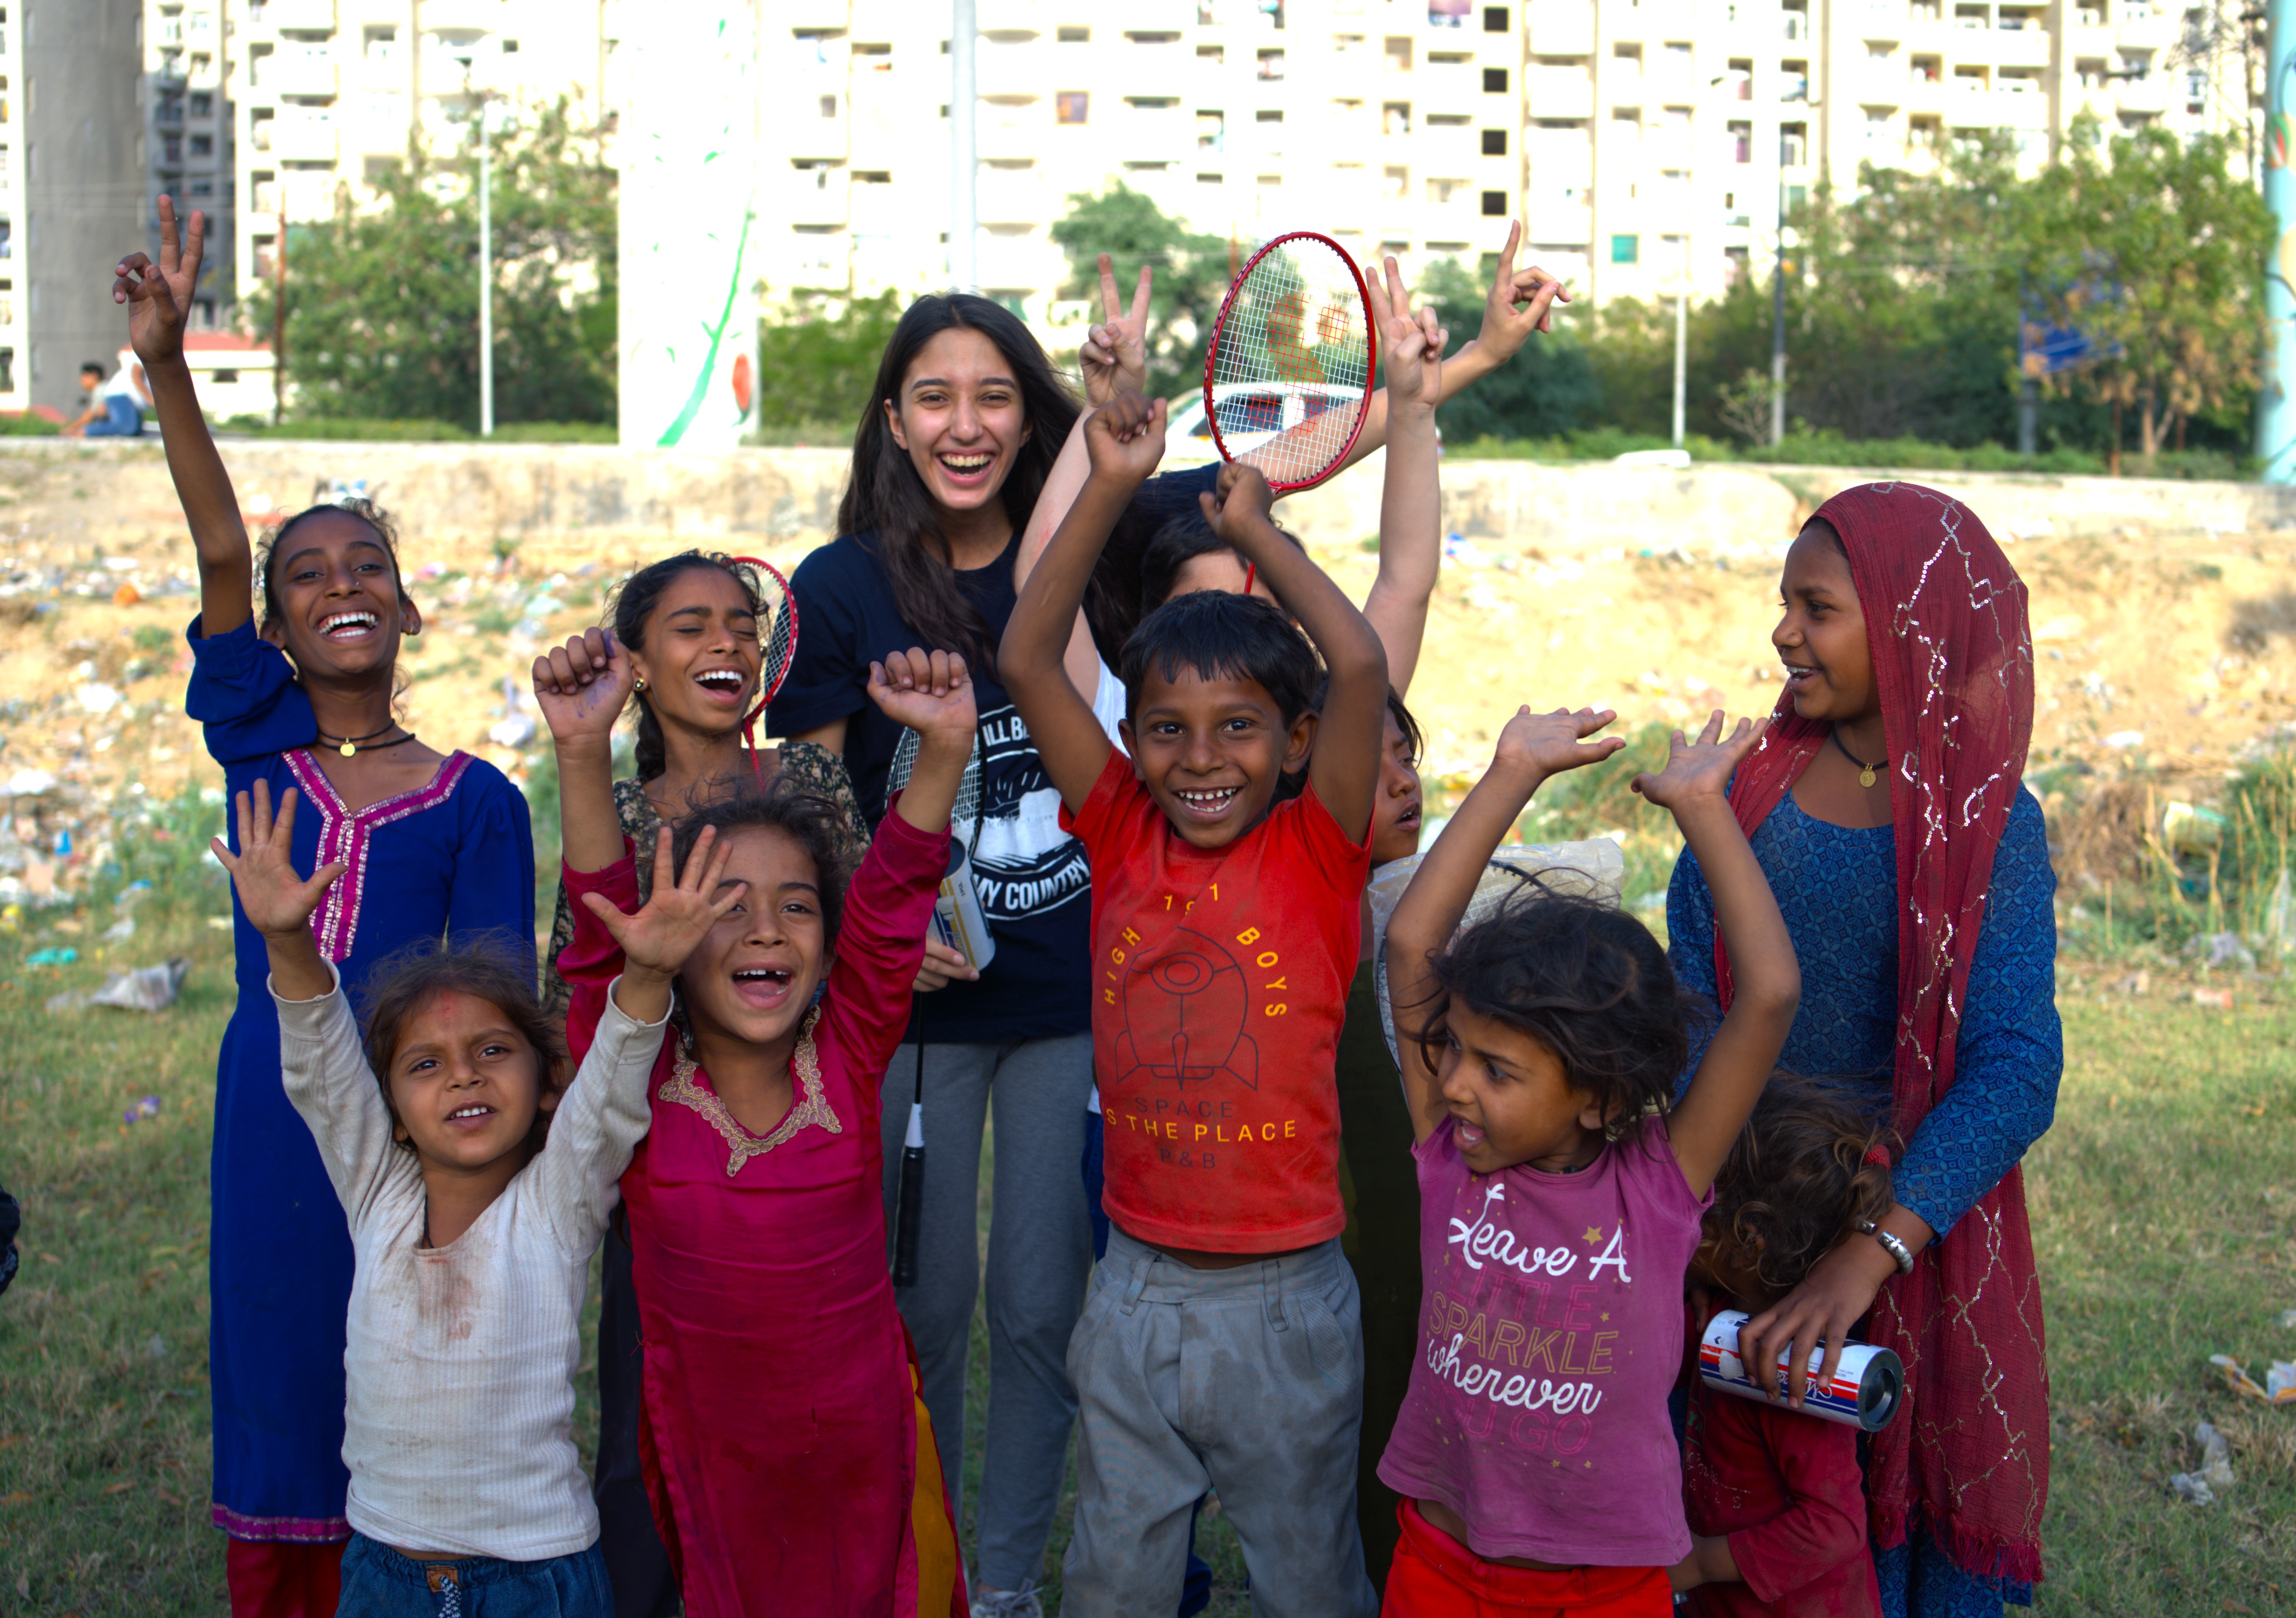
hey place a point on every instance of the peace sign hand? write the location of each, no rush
(1519, 302)
(1411, 344)
(1115, 353)
(159, 297)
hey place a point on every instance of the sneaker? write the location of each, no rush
(1021, 1603)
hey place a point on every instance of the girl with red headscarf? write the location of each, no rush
(1884, 803)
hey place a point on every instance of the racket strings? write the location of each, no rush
(1292, 359)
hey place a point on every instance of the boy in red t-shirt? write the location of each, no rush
(1220, 1345)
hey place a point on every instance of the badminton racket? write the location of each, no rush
(1288, 373)
(965, 827)
(776, 637)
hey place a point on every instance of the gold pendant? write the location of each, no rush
(1865, 775)
(348, 751)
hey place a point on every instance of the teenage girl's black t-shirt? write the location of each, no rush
(1034, 882)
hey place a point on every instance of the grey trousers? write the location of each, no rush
(1248, 1381)
(1039, 1257)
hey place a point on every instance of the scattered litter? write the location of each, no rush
(52, 957)
(31, 783)
(2280, 914)
(2139, 982)
(2279, 1382)
(97, 697)
(2287, 1321)
(2222, 950)
(2219, 998)
(2191, 1487)
(145, 989)
(2125, 740)
(119, 931)
(157, 1347)
(126, 595)
(221, 924)
(2215, 1472)
(1458, 548)
(2185, 828)
(145, 1107)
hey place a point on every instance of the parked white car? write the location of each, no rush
(1249, 414)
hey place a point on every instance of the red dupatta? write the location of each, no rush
(1953, 657)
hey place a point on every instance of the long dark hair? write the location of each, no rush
(887, 499)
(634, 605)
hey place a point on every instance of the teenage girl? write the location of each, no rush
(789, 1459)
(1560, 1202)
(1775, 1501)
(295, 690)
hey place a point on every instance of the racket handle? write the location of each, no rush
(909, 1212)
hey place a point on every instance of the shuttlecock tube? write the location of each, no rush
(1868, 1385)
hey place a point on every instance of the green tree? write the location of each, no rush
(1543, 392)
(382, 303)
(2153, 246)
(818, 368)
(1192, 272)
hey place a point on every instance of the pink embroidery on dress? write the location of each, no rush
(344, 839)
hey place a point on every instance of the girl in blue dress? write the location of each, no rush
(295, 690)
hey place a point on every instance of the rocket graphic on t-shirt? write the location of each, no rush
(1185, 1007)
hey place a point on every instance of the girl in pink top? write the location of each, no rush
(787, 1455)
(1559, 1200)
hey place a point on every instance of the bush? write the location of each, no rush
(25, 424)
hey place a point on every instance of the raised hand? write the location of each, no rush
(671, 924)
(1410, 345)
(1115, 352)
(1699, 768)
(1547, 744)
(1519, 302)
(1238, 508)
(159, 297)
(1126, 438)
(278, 901)
(929, 692)
(581, 687)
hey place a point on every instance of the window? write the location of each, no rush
(1268, 115)
(829, 106)
(202, 105)
(1211, 131)
(1795, 82)
(1740, 143)
(1270, 69)
(1495, 19)
(1396, 54)
(171, 148)
(1494, 204)
(1072, 107)
(1792, 145)
(226, 376)
(1074, 36)
(1395, 183)
(1494, 81)
(203, 65)
(1677, 60)
(1495, 143)
(382, 44)
(202, 186)
(203, 145)
(1625, 250)
(1211, 55)
(1441, 191)
(1395, 118)
(1448, 13)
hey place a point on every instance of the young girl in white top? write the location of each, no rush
(472, 1233)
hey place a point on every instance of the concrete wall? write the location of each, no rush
(605, 501)
(84, 178)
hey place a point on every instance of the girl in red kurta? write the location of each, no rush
(789, 1460)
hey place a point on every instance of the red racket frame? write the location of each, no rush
(1371, 353)
(765, 694)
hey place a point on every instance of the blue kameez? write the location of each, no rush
(455, 858)
(1837, 887)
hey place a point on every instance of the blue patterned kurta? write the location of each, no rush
(1837, 887)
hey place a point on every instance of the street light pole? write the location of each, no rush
(486, 284)
(964, 211)
(1681, 338)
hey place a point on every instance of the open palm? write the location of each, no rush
(678, 915)
(276, 898)
(158, 296)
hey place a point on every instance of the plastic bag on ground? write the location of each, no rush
(145, 989)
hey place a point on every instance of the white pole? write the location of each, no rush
(1681, 338)
(964, 210)
(486, 286)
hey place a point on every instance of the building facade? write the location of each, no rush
(329, 94)
(188, 139)
(1650, 145)
(72, 161)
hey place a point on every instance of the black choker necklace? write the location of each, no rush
(1865, 771)
(348, 746)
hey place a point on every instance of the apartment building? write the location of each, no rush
(188, 138)
(329, 94)
(71, 186)
(1650, 144)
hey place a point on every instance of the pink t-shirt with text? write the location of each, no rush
(1550, 1324)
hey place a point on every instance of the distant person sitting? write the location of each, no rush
(115, 408)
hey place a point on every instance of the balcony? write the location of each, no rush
(1009, 16)
(298, 16)
(812, 137)
(2147, 96)
(1558, 221)
(1009, 132)
(1156, 69)
(1010, 195)
(815, 197)
(302, 135)
(2021, 48)
(1560, 27)
(292, 72)
(1014, 67)
(1019, 261)
(469, 19)
(1152, 133)
(1558, 92)
(818, 260)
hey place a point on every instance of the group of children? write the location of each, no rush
(730, 1002)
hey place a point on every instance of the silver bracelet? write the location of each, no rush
(1899, 1253)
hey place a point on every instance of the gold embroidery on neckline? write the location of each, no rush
(811, 1106)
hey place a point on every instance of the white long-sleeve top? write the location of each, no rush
(461, 1359)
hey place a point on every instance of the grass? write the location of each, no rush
(2162, 1206)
